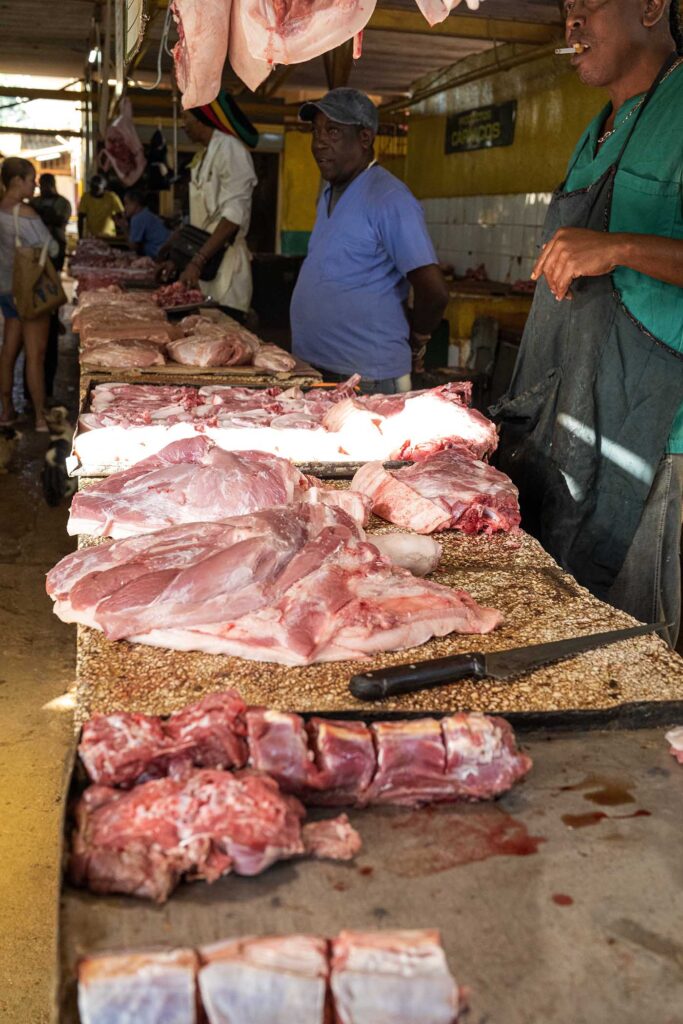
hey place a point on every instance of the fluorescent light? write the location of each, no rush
(93, 55)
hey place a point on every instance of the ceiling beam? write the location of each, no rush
(19, 92)
(463, 26)
(20, 130)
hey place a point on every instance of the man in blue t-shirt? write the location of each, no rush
(369, 246)
(146, 232)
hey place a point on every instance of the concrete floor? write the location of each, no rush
(583, 928)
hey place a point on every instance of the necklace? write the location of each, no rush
(638, 105)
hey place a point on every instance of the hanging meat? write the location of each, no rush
(323, 762)
(199, 54)
(293, 31)
(123, 151)
(438, 10)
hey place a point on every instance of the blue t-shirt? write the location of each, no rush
(347, 309)
(149, 229)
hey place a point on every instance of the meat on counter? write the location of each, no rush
(323, 762)
(156, 987)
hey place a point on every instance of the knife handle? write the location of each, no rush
(381, 683)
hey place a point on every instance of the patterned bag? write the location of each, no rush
(36, 287)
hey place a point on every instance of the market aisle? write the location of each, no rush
(38, 663)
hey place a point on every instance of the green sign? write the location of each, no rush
(481, 128)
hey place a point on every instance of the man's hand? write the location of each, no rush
(418, 344)
(572, 253)
(166, 271)
(190, 275)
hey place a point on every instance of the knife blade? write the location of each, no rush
(378, 684)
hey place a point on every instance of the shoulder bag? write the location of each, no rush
(36, 287)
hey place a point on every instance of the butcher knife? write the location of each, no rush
(381, 683)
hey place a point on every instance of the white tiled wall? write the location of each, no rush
(499, 231)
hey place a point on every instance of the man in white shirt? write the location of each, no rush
(221, 188)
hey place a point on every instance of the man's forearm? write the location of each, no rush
(428, 309)
(223, 233)
(660, 258)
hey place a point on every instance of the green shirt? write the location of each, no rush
(648, 199)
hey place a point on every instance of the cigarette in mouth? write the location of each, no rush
(576, 48)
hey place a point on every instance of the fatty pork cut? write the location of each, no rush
(445, 491)
(129, 422)
(675, 739)
(156, 987)
(124, 355)
(273, 358)
(399, 976)
(199, 54)
(199, 824)
(195, 481)
(295, 585)
(274, 980)
(322, 762)
(438, 10)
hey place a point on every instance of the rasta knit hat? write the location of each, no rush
(225, 115)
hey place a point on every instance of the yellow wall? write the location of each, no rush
(299, 183)
(553, 108)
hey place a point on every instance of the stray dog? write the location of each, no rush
(55, 479)
(8, 442)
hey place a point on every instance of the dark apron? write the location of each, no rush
(585, 422)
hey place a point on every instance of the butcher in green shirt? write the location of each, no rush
(592, 427)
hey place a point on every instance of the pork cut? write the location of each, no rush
(156, 987)
(199, 54)
(192, 481)
(295, 584)
(275, 980)
(293, 31)
(445, 491)
(202, 824)
(128, 422)
(124, 355)
(438, 10)
(273, 358)
(399, 976)
(675, 738)
(322, 762)
(151, 332)
(210, 349)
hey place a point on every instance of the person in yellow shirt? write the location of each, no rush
(97, 209)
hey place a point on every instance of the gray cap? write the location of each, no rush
(345, 106)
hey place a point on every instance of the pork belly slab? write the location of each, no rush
(399, 976)
(156, 987)
(323, 762)
(336, 426)
(447, 490)
(201, 824)
(278, 980)
(295, 585)
(194, 480)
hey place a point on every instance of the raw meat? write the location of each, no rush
(210, 349)
(419, 555)
(399, 976)
(148, 988)
(275, 980)
(675, 738)
(294, 585)
(252, 71)
(199, 54)
(123, 150)
(128, 422)
(413, 425)
(331, 839)
(202, 825)
(438, 10)
(323, 762)
(117, 355)
(194, 480)
(292, 31)
(271, 357)
(150, 331)
(178, 294)
(124, 747)
(445, 491)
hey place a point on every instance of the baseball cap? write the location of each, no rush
(346, 106)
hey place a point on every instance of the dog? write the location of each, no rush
(8, 442)
(57, 484)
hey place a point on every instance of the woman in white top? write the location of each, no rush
(19, 180)
(221, 187)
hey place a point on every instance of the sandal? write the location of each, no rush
(42, 427)
(8, 421)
